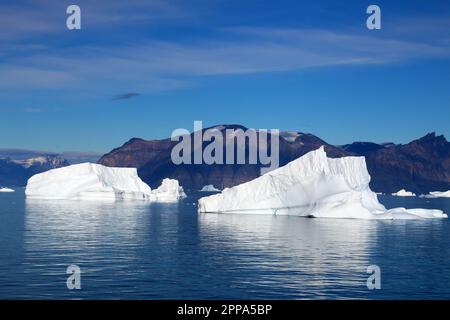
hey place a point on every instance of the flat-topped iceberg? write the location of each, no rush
(94, 181)
(311, 186)
(437, 194)
(209, 188)
(6, 190)
(403, 193)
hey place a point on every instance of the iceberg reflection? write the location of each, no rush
(314, 255)
(101, 237)
(64, 221)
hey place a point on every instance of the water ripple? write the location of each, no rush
(134, 250)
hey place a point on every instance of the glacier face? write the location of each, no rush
(312, 185)
(94, 181)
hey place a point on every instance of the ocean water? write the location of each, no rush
(137, 250)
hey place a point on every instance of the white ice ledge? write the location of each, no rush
(311, 186)
(6, 190)
(403, 193)
(209, 188)
(438, 194)
(94, 181)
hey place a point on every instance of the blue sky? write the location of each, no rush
(145, 68)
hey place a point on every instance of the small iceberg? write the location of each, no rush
(169, 191)
(437, 194)
(403, 193)
(311, 186)
(94, 181)
(6, 190)
(209, 188)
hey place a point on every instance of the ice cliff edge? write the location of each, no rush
(313, 186)
(94, 181)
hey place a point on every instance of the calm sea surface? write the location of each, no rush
(136, 250)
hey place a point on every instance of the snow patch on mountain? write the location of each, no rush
(290, 136)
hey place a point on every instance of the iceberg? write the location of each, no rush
(403, 193)
(437, 194)
(209, 188)
(311, 186)
(94, 181)
(169, 191)
(6, 190)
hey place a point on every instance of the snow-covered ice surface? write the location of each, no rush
(169, 191)
(438, 194)
(209, 188)
(94, 181)
(6, 190)
(403, 193)
(312, 186)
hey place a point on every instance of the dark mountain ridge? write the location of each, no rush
(421, 166)
(18, 165)
(16, 172)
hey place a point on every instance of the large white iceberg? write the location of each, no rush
(403, 193)
(94, 181)
(311, 186)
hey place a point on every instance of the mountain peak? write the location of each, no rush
(429, 136)
(223, 127)
(362, 147)
(132, 140)
(432, 137)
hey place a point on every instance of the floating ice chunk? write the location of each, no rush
(311, 186)
(437, 194)
(209, 188)
(403, 193)
(94, 181)
(6, 190)
(169, 191)
(409, 214)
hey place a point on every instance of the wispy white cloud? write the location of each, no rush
(168, 65)
(28, 19)
(147, 65)
(14, 76)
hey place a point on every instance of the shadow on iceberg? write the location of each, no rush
(311, 186)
